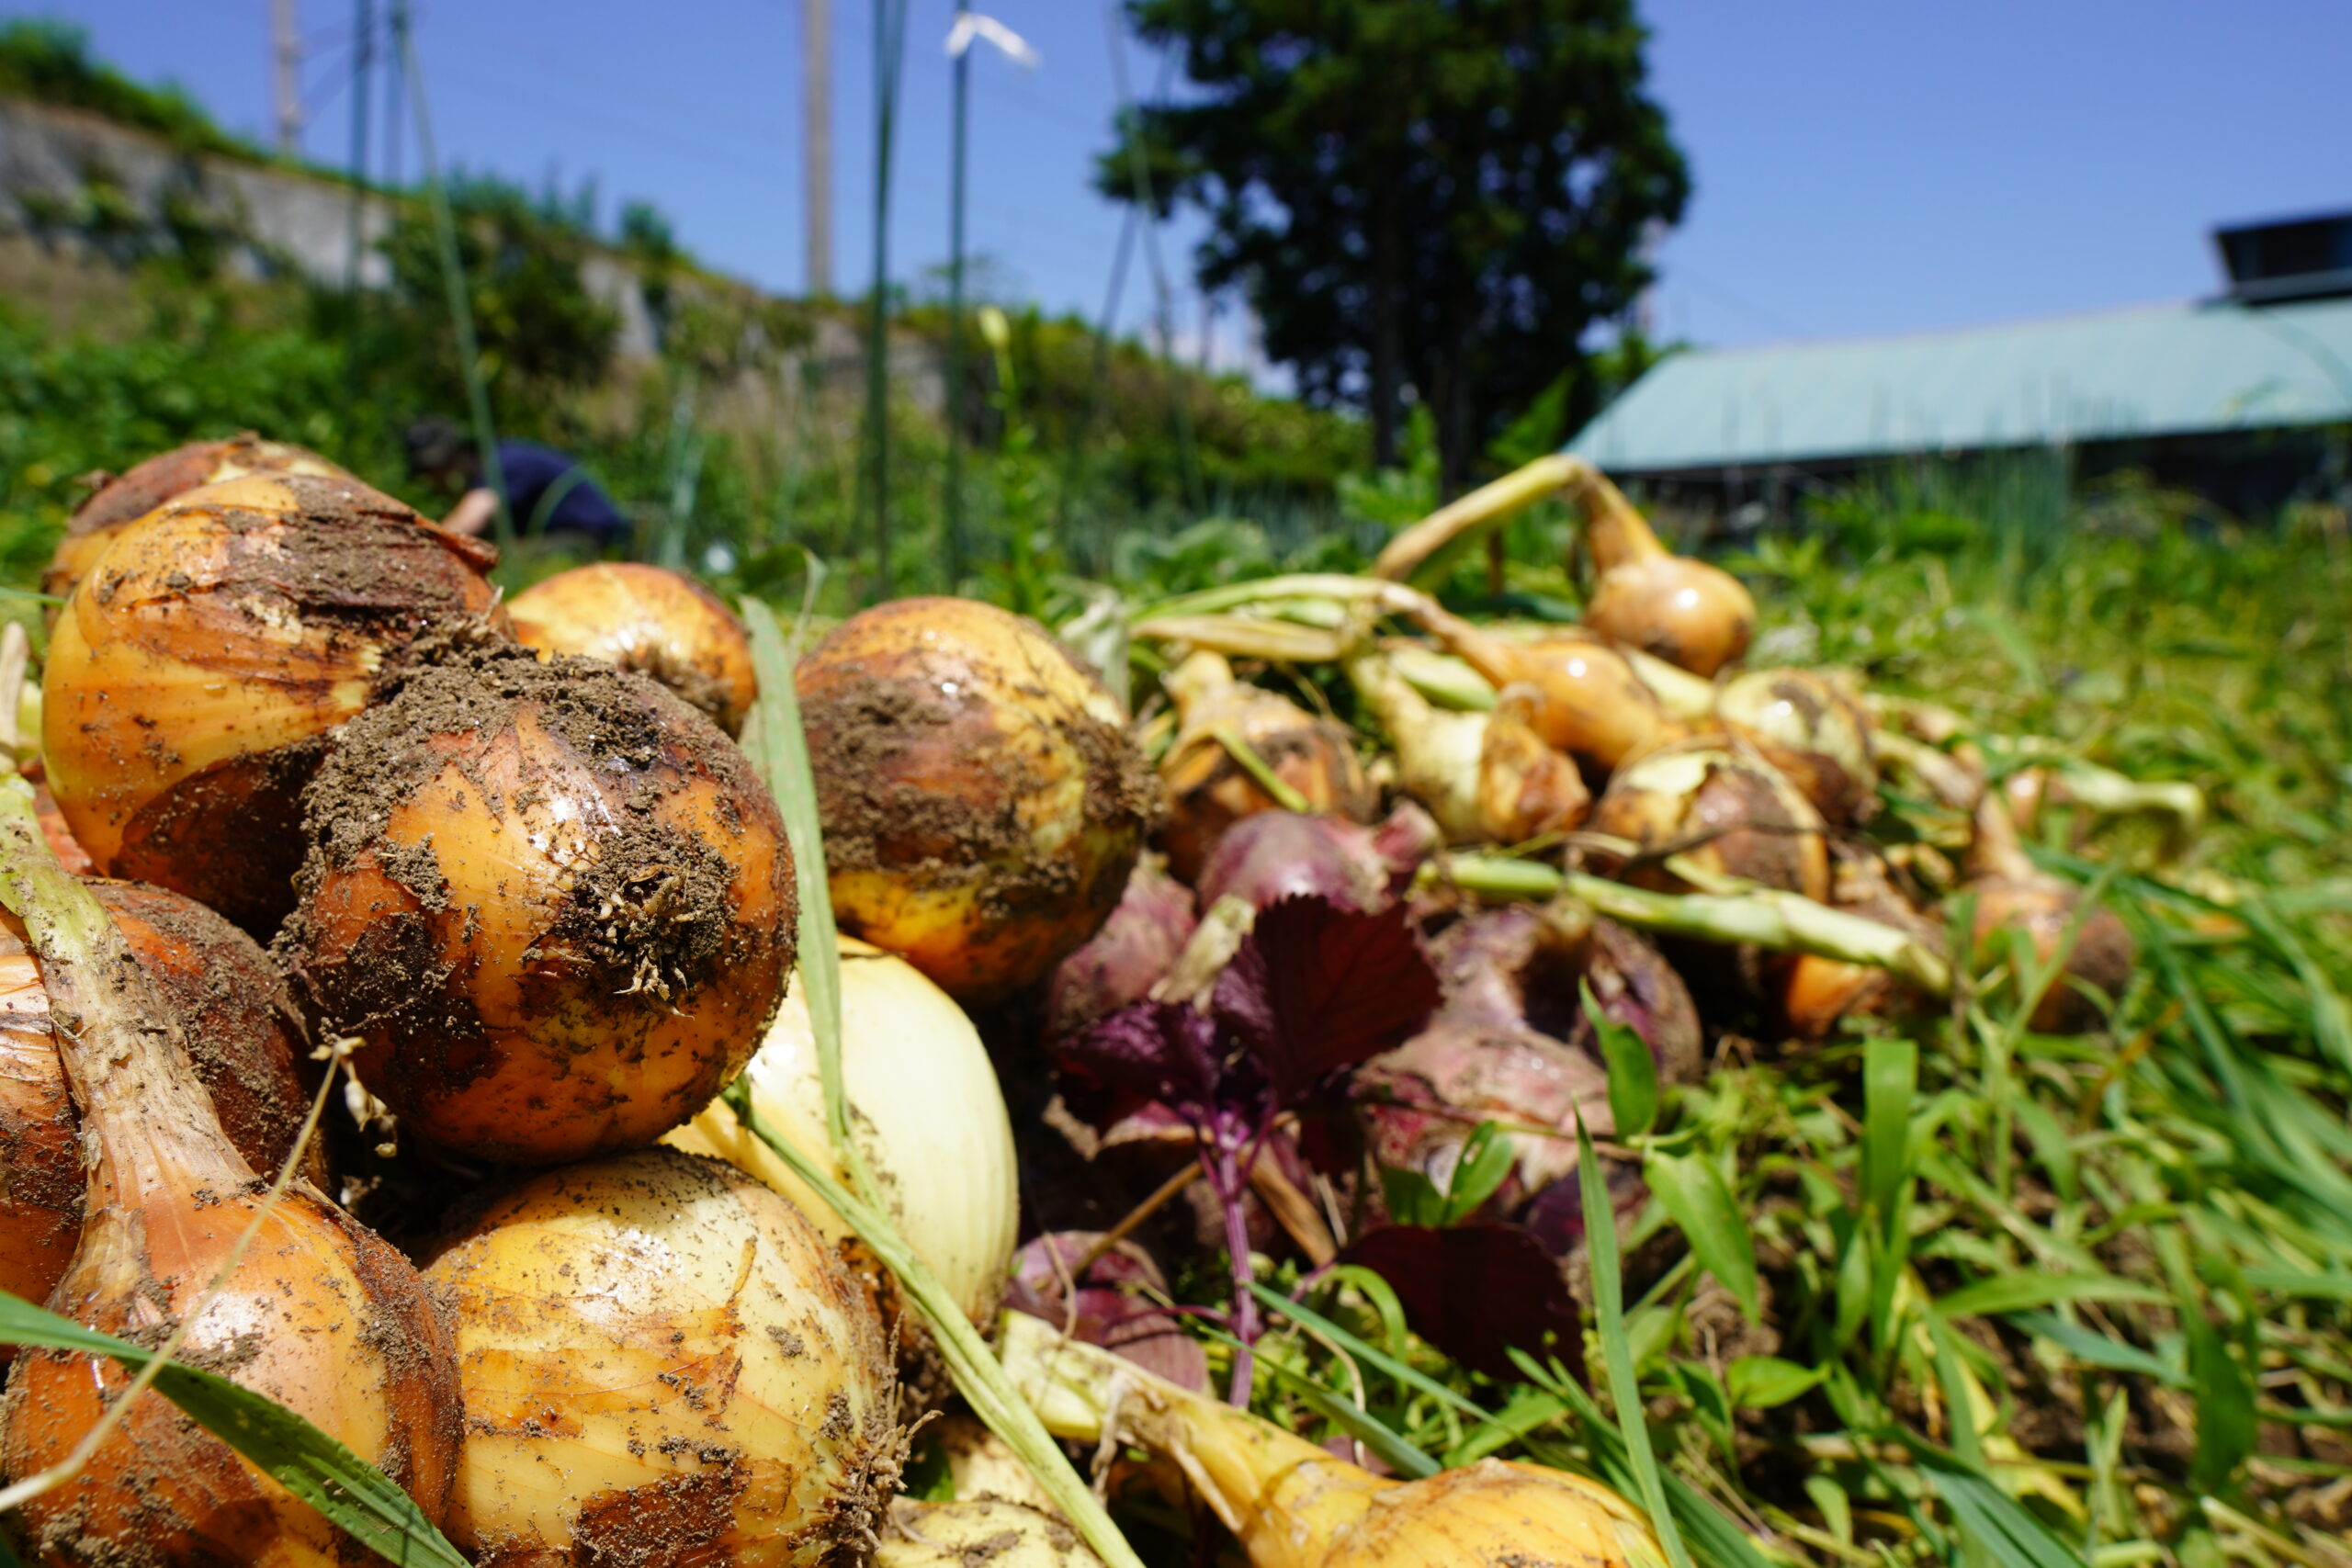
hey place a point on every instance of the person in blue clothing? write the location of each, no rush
(548, 492)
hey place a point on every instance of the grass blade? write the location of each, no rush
(359, 1498)
(2012, 1537)
(1701, 1205)
(1359, 1423)
(2097, 1349)
(1632, 1073)
(2009, 1293)
(974, 1369)
(1608, 1305)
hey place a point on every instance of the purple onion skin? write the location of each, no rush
(1136, 947)
(1506, 968)
(1275, 855)
(1107, 1311)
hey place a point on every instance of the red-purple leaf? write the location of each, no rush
(1153, 1051)
(1475, 1291)
(1317, 988)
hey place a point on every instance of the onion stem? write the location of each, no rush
(1733, 912)
(71, 931)
(1425, 547)
(1242, 752)
(1246, 637)
(1328, 585)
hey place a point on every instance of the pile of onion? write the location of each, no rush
(317, 1313)
(655, 621)
(1209, 789)
(924, 1106)
(982, 800)
(550, 899)
(238, 1022)
(662, 1361)
(193, 681)
(1581, 697)
(138, 489)
(1292, 1505)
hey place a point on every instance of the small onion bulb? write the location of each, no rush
(927, 1111)
(1735, 814)
(662, 1361)
(1292, 1505)
(656, 622)
(1683, 610)
(982, 801)
(1805, 726)
(193, 680)
(138, 489)
(1206, 787)
(550, 899)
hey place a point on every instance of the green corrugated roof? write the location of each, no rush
(2161, 371)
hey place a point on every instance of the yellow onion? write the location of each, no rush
(1817, 993)
(1732, 813)
(318, 1313)
(644, 618)
(927, 1111)
(192, 681)
(1208, 790)
(1683, 610)
(552, 901)
(2012, 893)
(1485, 777)
(245, 1044)
(663, 1362)
(982, 801)
(1292, 1505)
(969, 1532)
(1807, 727)
(1584, 698)
(138, 489)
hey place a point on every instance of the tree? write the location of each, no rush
(1432, 199)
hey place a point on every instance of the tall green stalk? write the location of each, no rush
(363, 69)
(453, 278)
(890, 42)
(957, 156)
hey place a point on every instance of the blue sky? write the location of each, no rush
(1862, 168)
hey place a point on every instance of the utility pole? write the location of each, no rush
(286, 57)
(817, 134)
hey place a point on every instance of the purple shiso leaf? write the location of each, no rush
(1476, 1290)
(1317, 988)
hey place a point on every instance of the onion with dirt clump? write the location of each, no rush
(664, 1362)
(1209, 789)
(192, 683)
(982, 801)
(550, 899)
(126, 496)
(924, 1106)
(655, 621)
(1730, 814)
(312, 1310)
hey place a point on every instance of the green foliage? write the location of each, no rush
(1412, 194)
(49, 62)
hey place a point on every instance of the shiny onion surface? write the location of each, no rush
(649, 619)
(192, 681)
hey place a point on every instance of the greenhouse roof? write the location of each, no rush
(2168, 370)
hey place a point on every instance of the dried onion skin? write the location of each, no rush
(193, 680)
(658, 623)
(663, 1362)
